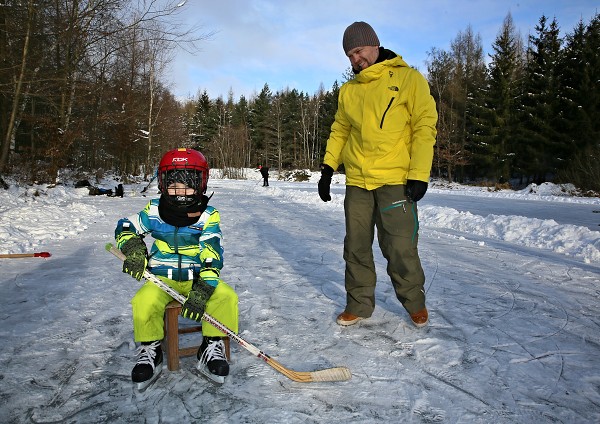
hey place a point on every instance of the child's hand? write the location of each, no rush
(193, 307)
(136, 257)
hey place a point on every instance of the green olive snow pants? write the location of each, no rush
(397, 225)
(150, 301)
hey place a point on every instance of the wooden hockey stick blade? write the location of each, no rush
(26, 255)
(324, 375)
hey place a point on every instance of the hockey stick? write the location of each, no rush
(329, 374)
(26, 255)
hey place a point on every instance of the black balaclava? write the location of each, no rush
(178, 215)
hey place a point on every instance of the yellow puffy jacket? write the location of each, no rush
(385, 126)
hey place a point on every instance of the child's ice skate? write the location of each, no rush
(149, 364)
(211, 359)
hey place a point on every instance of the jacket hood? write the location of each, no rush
(386, 58)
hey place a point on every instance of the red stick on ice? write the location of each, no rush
(26, 255)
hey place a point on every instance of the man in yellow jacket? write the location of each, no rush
(383, 134)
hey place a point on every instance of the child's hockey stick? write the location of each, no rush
(329, 374)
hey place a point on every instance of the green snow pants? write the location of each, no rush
(150, 301)
(397, 223)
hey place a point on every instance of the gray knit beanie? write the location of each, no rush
(359, 34)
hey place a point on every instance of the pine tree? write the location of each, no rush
(204, 128)
(240, 121)
(580, 83)
(327, 109)
(541, 146)
(261, 125)
(580, 93)
(469, 75)
(290, 151)
(575, 84)
(496, 120)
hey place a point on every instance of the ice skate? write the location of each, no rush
(149, 364)
(211, 359)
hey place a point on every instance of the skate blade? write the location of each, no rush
(205, 371)
(144, 384)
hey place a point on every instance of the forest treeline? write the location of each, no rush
(82, 87)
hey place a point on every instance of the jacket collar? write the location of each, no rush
(386, 58)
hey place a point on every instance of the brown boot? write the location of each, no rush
(346, 319)
(420, 318)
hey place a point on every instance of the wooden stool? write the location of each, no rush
(172, 332)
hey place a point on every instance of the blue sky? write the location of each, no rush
(297, 44)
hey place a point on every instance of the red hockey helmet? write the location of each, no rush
(185, 166)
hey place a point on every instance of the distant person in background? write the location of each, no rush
(264, 171)
(97, 191)
(384, 132)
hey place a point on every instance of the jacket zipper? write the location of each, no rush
(386, 111)
(178, 255)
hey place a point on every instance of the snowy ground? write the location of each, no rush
(513, 282)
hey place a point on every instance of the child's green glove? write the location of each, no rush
(195, 304)
(136, 257)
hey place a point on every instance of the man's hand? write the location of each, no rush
(136, 257)
(415, 190)
(325, 183)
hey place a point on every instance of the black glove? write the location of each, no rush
(325, 183)
(136, 257)
(193, 307)
(415, 190)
